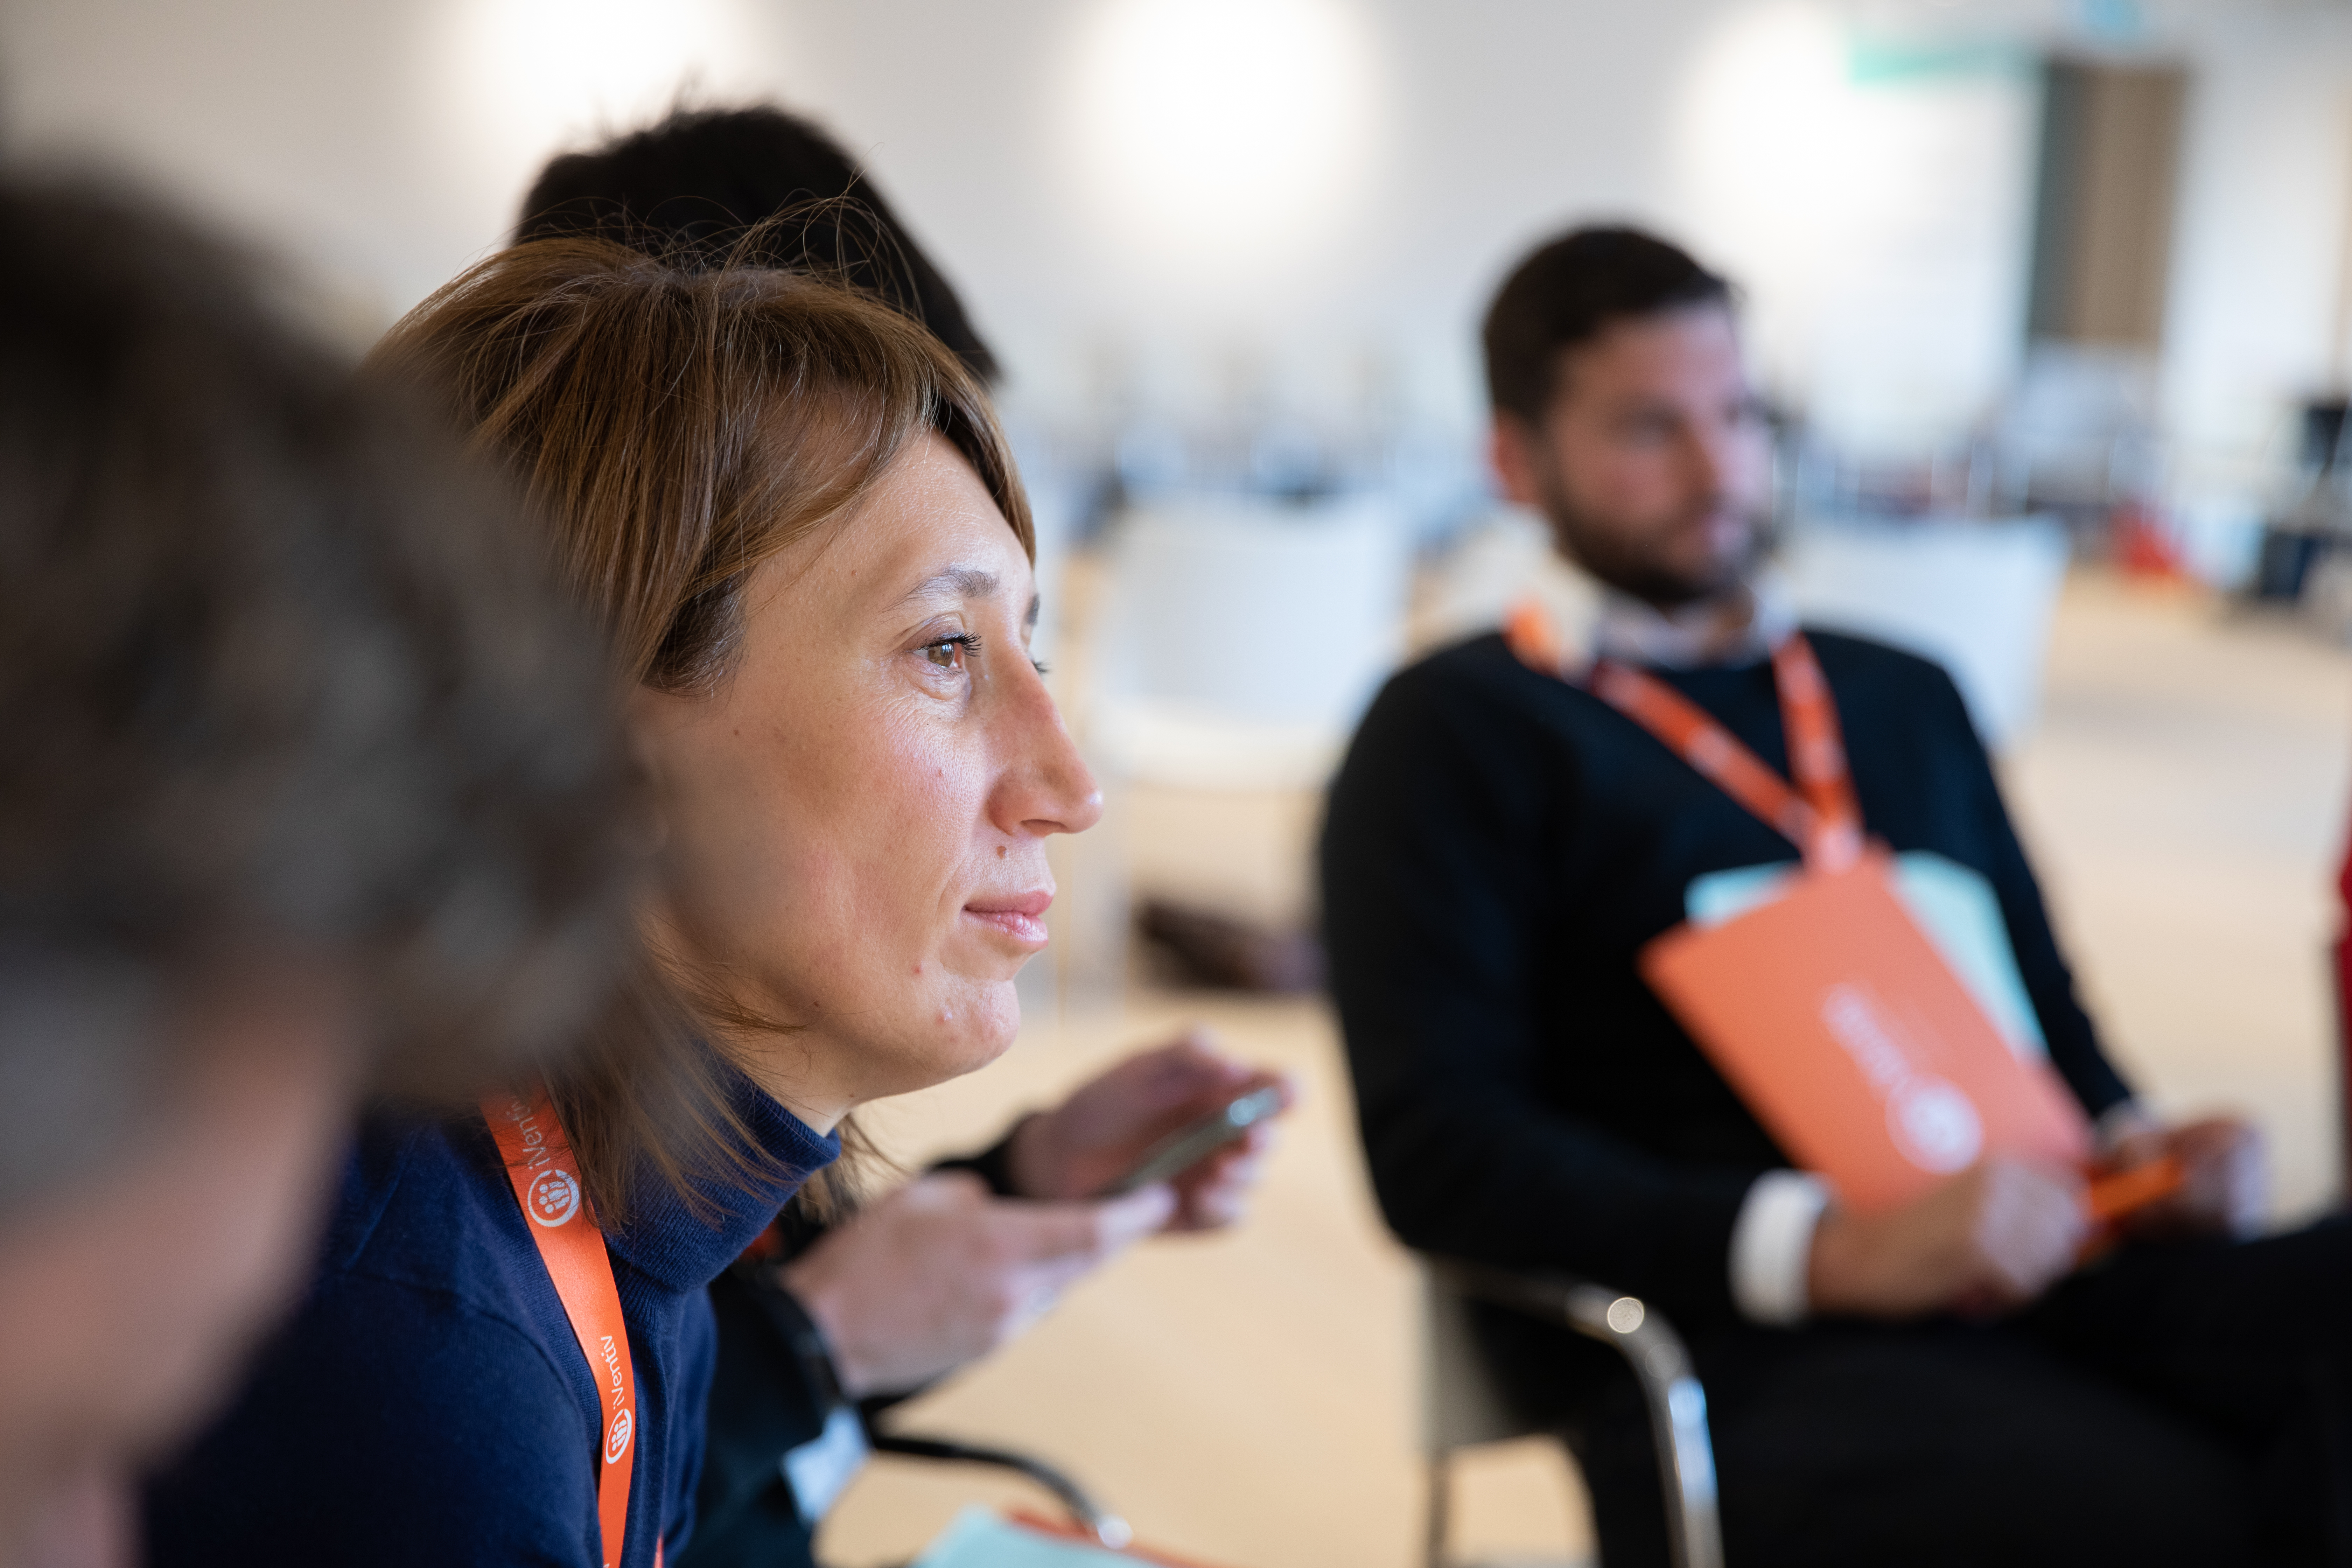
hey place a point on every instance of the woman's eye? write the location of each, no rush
(948, 653)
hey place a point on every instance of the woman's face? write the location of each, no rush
(856, 822)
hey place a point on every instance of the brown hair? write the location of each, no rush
(1570, 289)
(676, 427)
(279, 674)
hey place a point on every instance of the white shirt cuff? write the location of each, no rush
(1772, 1247)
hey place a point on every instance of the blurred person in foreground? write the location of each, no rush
(306, 788)
(1939, 1384)
(836, 1311)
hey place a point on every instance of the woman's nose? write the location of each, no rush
(1046, 786)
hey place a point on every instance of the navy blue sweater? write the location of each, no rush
(429, 1401)
(1499, 846)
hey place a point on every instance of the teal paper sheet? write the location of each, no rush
(978, 1538)
(1954, 906)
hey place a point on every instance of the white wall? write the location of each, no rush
(2266, 177)
(1353, 204)
(1871, 183)
(1481, 125)
(383, 145)
(380, 145)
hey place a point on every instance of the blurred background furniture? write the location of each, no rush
(1974, 595)
(1239, 638)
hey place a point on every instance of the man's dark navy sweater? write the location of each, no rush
(429, 1401)
(1499, 846)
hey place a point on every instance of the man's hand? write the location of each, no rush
(1099, 1133)
(1993, 1239)
(2226, 1185)
(940, 1273)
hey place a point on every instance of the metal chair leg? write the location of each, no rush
(1678, 1415)
(1439, 1517)
(1661, 1364)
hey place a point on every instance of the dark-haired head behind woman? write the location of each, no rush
(792, 512)
(703, 181)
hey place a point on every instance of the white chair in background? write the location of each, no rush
(1239, 639)
(1976, 596)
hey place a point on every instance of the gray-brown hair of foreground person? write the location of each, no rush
(280, 676)
(675, 425)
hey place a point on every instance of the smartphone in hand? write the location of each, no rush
(1188, 1146)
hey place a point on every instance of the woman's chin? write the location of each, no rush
(995, 1013)
(969, 1028)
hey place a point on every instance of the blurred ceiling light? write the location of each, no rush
(1781, 168)
(1768, 122)
(1220, 134)
(1873, 194)
(533, 76)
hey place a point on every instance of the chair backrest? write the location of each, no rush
(1460, 1403)
(1272, 627)
(1976, 596)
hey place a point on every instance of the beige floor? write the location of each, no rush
(2185, 799)
(1250, 1399)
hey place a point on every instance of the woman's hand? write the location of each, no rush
(940, 1273)
(1100, 1133)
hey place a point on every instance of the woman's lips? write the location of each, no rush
(1020, 916)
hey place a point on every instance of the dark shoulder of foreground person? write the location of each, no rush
(408, 1412)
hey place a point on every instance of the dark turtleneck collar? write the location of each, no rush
(667, 1241)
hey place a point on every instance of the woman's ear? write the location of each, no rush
(642, 716)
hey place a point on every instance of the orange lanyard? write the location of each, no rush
(1825, 820)
(547, 1184)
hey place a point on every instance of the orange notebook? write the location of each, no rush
(1851, 1041)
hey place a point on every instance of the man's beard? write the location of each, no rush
(1626, 566)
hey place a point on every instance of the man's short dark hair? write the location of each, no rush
(281, 678)
(1568, 293)
(703, 181)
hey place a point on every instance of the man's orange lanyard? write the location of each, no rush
(547, 1184)
(1825, 820)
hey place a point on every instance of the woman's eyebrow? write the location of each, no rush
(962, 581)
